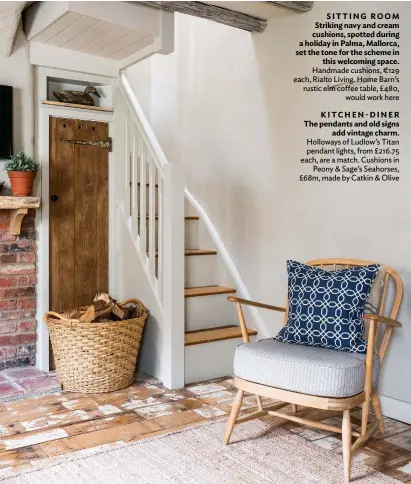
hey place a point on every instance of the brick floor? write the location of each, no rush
(25, 381)
(7, 389)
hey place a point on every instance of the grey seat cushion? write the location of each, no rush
(303, 369)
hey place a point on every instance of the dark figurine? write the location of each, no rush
(77, 97)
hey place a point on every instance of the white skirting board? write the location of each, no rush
(396, 409)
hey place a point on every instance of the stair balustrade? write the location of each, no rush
(151, 197)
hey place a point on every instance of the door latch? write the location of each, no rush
(99, 144)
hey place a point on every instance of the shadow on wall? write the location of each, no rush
(20, 112)
(130, 282)
(5, 189)
(272, 56)
(16, 71)
(304, 215)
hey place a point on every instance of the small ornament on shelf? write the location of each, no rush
(77, 97)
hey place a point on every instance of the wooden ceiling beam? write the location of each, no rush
(222, 15)
(300, 7)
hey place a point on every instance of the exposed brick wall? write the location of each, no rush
(17, 292)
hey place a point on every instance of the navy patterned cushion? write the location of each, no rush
(326, 308)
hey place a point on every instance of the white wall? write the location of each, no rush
(224, 104)
(16, 71)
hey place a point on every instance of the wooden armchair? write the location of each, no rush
(368, 395)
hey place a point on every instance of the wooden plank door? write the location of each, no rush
(78, 213)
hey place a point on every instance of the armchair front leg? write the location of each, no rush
(235, 410)
(346, 439)
(375, 399)
(369, 360)
(237, 404)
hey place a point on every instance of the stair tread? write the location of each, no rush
(200, 252)
(210, 335)
(187, 217)
(197, 252)
(207, 291)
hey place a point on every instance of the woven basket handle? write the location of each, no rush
(55, 315)
(137, 301)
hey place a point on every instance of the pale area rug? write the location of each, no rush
(259, 454)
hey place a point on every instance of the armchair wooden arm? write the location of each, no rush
(390, 325)
(256, 304)
(383, 319)
(239, 301)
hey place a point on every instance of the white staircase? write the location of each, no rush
(196, 329)
(211, 330)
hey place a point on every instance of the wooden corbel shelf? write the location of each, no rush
(19, 207)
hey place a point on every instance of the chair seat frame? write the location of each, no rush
(369, 396)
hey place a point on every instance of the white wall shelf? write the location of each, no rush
(78, 106)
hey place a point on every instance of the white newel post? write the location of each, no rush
(172, 244)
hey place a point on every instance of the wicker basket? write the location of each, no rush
(95, 357)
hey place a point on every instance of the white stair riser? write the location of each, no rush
(191, 235)
(200, 270)
(209, 312)
(197, 235)
(210, 360)
(188, 208)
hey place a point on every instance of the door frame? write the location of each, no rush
(42, 132)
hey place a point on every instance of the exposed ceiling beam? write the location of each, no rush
(222, 15)
(295, 6)
(10, 13)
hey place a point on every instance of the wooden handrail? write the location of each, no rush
(141, 121)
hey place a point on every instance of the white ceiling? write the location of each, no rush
(90, 35)
(99, 37)
(10, 13)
